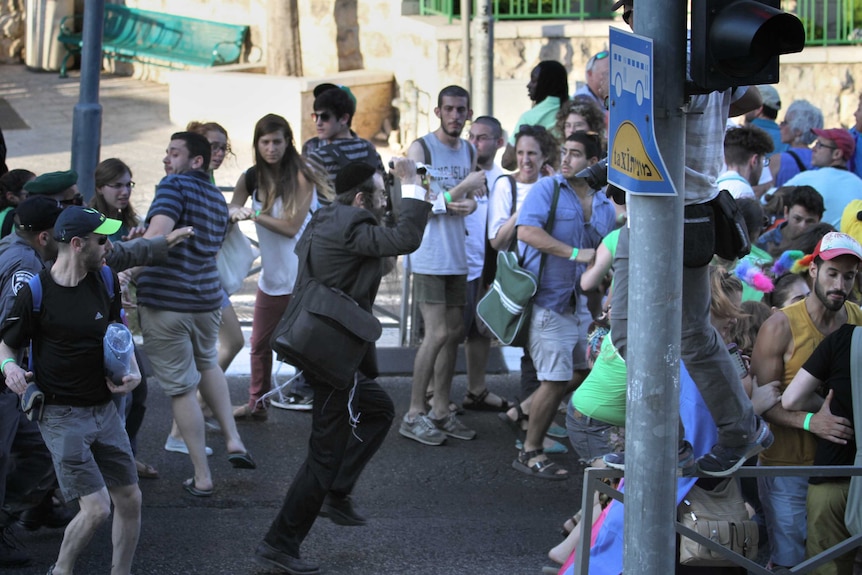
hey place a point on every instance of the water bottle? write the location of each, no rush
(119, 347)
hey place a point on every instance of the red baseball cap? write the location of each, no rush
(836, 244)
(842, 138)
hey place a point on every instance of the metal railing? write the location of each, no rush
(827, 22)
(593, 482)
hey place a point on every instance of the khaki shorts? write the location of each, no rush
(180, 346)
(449, 290)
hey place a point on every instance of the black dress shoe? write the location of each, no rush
(52, 517)
(268, 555)
(340, 511)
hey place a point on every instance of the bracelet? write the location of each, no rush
(256, 214)
(448, 197)
(574, 255)
(5, 361)
(805, 424)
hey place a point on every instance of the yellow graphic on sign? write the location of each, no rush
(630, 157)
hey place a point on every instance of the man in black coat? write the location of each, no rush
(346, 247)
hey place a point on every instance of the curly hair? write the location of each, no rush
(584, 107)
(547, 144)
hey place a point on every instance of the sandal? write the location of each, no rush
(478, 403)
(515, 424)
(570, 524)
(453, 407)
(146, 471)
(544, 469)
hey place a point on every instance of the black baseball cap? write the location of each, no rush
(37, 213)
(78, 222)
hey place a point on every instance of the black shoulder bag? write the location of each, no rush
(323, 331)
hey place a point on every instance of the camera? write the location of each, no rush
(421, 169)
(596, 175)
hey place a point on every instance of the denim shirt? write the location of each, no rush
(560, 277)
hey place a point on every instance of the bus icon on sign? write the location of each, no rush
(631, 73)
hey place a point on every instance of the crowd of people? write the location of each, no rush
(327, 209)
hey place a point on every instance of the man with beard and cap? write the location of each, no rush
(548, 88)
(80, 425)
(26, 473)
(344, 245)
(785, 341)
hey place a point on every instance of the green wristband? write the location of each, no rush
(448, 197)
(5, 361)
(574, 255)
(256, 214)
(805, 424)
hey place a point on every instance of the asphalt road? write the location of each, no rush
(455, 509)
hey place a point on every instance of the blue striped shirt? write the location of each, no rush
(189, 281)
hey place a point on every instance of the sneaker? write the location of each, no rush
(341, 511)
(685, 462)
(452, 426)
(268, 555)
(421, 429)
(12, 552)
(722, 460)
(178, 445)
(295, 402)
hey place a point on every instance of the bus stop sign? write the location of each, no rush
(634, 163)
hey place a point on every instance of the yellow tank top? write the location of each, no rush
(796, 446)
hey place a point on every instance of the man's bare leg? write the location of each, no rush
(190, 419)
(444, 367)
(436, 335)
(94, 509)
(126, 527)
(214, 390)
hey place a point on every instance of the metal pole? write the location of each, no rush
(87, 118)
(483, 34)
(465, 44)
(655, 286)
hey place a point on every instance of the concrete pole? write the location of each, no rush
(483, 57)
(87, 117)
(465, 44)
(655, 285)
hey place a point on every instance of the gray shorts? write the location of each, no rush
(180, 346)
(554, 338)
(593, 438)
(89, 447)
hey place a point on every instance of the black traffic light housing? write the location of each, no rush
(737, 42)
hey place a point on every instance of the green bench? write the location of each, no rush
(132, 35)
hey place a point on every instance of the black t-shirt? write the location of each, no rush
(68, 357)
(830, 363)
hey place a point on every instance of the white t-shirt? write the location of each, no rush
(735, 184)
(476, 224)
(500, 208)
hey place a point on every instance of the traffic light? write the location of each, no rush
(737, 42)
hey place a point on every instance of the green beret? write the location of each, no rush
(51, 183)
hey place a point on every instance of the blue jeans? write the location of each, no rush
(784, 507)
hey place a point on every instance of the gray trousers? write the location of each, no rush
(702, 349)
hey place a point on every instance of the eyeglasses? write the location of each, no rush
(819, 144)
(321, 117)
(216, 147)
(77, 200)
(121, 185)
(765, 161)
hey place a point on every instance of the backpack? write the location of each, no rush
(35, 284)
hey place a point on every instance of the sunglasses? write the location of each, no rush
(600, 56)
(77, 200)
(101, 241)
(321, 117)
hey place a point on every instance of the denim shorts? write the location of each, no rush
(180, 346)
(89, 447)
(593, 438)
(553, 338)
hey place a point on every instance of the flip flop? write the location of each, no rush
(189, 486)
(241, 460)
(146, 471)
(478, 403)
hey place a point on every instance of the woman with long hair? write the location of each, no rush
(284, 191)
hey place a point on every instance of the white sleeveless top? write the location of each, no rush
(279, 263)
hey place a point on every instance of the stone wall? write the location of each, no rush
(12, 31)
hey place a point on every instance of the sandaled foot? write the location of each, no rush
(570, 524)
(537, 464)
(485, 401)
(146, 471)
(519, 424)
(453, 407)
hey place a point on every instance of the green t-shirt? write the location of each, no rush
(603, 394)
(542, 114)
